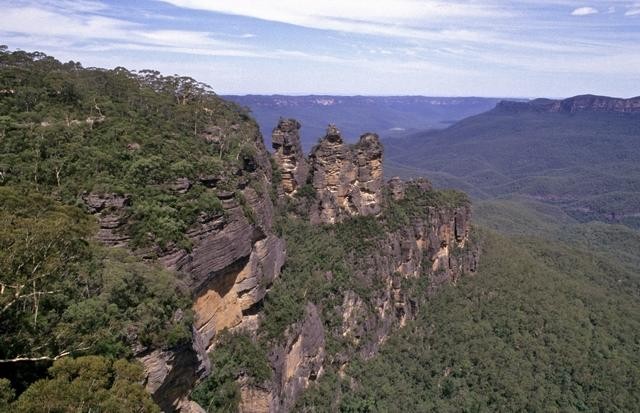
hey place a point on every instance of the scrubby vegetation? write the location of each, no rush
(236, 357)
(320, 259)
(69, 130)
(549, 324)
(85, 384)
(64, 296)
(66, 132)
(543, 327)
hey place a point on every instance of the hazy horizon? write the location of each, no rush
(536, 48)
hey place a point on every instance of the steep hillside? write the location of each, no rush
(150, 242)
(388, 115)
(544, 327)
(581, 154)
(158, 169)
(361, 255)
(549, 324)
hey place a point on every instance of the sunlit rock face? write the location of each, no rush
(288, 155)
(347, 179)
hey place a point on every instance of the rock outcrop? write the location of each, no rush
(233, 259)
(296, 363)
(347, 179)
(289, 156)
(437, 245)
(235, 256)
(169, 372)
(110, 210)
(434, 243)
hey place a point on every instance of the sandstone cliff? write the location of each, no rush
(233, 258)
(288, 155)
(235, 255)
(576, 104)
(421, 236)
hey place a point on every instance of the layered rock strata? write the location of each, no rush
(576, 104)
(347, 179)
(289, 156)
(234, 257)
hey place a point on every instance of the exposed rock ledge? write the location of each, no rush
(576, 104)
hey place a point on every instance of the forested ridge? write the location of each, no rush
(549, 322)
(67, 131)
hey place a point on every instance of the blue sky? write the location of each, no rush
(524, 48)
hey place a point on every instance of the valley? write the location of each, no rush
(389, 116)
(156, 256)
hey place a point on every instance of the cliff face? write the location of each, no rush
(288, 155)
(233, 259)
(235, 256)
(577, 104)
(435, 247)
(434, 242)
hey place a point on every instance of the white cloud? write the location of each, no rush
(358, 16)
(37, 23)
(584, 11)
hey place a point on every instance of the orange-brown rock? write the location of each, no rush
(347, 179)
(289, 156)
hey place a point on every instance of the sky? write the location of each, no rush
(523, 48)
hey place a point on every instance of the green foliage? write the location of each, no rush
(542, 327)
(321, 259)
(416, 203)
(235, 356)
(62, 294)
(586, 163)
(307, 191)
(246, 208)
(88, 384)
(70, 130)
(7, 395)
(312, 252)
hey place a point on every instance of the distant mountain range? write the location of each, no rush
(581, 153)
(388, 116)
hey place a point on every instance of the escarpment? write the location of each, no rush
(232, 258)
(576, 104)
(233, 276)
(391, 245)
(397, 242)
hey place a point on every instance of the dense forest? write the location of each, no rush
(550, 322)
(585, 162)
(66, 131)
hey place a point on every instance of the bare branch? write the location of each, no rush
(19, 297)
(43, 358)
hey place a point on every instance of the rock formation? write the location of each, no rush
(110, 212)
(288, 155)
(347, 180)
(235, 256)
(233, 259)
